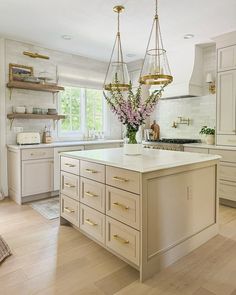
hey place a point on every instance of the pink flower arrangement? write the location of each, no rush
(132, 111)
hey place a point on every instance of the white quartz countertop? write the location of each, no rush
(150, 160)
(210, 146)
(65, 144)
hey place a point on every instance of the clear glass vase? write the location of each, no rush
(132, 142)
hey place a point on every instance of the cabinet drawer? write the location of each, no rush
(227, 156)
(226, 140)
(92, 222)
(92, 171)
(227, 171)
(70, 185)
(70, 165)
(33, 154)
(123, 240)
(123, 206)
(124, 179)
(92, 194)
(227, 190)
(70, 210)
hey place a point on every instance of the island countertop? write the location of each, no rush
(148, 161)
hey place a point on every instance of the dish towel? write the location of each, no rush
(4, 250)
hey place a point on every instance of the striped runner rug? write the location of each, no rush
(4, 250)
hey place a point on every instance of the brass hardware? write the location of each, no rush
(121, 206)
(88, 221)
(212, 87)
(181, 121)
(35, 55)
(118, 8)
(67, 209)
(69, 185)
(70, 165)
(91, 171)
(121, 179)
(120, 239)
(174, 125)
(156, 79)
(90, 194)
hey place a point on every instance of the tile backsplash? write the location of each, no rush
(200, 110)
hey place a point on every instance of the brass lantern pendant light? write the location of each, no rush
(155, 69)
(117, 76)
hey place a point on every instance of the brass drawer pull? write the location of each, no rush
(121, 206)
(120, 239)
(67, 209)
(88, 221)
(69, 185)
(91, 171)
(70, 165)
(121, 179)
(90, 194)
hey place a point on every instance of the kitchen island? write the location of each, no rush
(149, 210)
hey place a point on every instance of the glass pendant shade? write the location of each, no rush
(155, 69)
(117, 76)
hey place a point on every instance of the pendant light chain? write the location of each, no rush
(117, 76)
(155, 68)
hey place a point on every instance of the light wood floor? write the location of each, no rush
(48, 259)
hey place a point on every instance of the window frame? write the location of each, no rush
(66, 135)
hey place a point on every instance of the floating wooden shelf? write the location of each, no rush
(12, 117)
(35, 116)
(35, 86)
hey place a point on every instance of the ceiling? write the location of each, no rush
(92, 23)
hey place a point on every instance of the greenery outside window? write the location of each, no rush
(84, 110)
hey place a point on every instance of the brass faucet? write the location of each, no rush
(182, 121)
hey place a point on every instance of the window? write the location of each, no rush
(84, 110)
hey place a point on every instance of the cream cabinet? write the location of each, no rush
(227, 58)
(226, 104)
(30, 174)
(37, 177)
(147, 219)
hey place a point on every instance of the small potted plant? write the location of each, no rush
(209, 134)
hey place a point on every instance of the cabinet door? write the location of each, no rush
(227, 58)
(37, 177)
(226, 98)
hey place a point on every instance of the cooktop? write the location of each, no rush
(176, 140)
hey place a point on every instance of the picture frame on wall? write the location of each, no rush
(19, 72)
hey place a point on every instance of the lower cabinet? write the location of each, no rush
(92, 222)
(37, 177)
(122, 239)
(70, 210)
(227, 172)
(30, 174)
(106, 214)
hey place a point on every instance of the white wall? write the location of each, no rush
(201, 111)
(72, 69)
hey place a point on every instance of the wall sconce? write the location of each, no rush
(211, 83)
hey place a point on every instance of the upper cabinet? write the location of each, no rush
(226, 89)
(226, 103)
(227, 58)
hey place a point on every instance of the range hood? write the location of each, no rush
(189, 67)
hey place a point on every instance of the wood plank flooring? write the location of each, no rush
(52, 260)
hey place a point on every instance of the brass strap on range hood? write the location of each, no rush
(35, 55)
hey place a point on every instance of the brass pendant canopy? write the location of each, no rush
(155, 69)
(117, 76)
